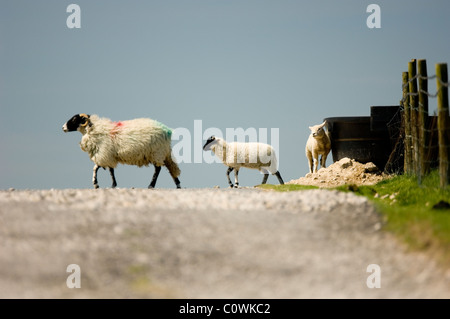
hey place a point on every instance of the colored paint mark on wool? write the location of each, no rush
(166, 129)
(116, 128)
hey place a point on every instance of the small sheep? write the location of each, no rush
(134, 142)
(318, 143)
(250, 155)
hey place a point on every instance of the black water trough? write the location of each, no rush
(365, 138)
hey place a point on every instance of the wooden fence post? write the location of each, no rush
(413, 100)
(423, 117)
(407, 167)
(443, 124)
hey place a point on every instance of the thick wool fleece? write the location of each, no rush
(135, 142)
(258, 156)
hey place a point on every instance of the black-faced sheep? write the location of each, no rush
(235, 155)
(135, 142)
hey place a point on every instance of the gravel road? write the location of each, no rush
(204, 243)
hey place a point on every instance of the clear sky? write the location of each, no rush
(282, 64)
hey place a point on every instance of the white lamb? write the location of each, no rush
(318, 143)
(250, 155)
(135, 142)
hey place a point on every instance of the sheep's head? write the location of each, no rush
(318, 130)
(211, 142)
(76, 123)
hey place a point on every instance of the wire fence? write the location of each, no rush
(423, 141)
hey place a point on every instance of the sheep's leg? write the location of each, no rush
(315, 161)
(310, 161)
(277, 174)
(266, 176)
(111, 172)
(323, 160)
(173, 170)
(155, 177)
(94, 177)
(236, 181)
(229, 170)
(177, 182)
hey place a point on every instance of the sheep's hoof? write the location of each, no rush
(96, 187)
(231, 185)
(236, 186)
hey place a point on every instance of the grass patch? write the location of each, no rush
(286, 187)
(409, 209)
(416, 213)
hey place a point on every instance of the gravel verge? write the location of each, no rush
(204, 243)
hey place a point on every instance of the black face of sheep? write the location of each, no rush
(77, 121)
(208, 143)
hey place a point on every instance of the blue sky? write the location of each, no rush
(262, 64)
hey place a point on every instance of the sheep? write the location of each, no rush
(134, 142)
(250, 155)
(318, 143)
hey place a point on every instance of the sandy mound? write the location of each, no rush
(344, 172)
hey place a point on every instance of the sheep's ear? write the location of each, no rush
(323, 124)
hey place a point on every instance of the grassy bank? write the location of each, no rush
(416, 213)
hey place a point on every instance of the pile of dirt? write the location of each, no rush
(343, 172)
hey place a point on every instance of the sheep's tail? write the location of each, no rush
(172, 166)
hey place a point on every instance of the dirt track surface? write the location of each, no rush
(204, 243)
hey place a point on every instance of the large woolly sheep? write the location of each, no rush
(318, 143)
(235, 155)
(135, 142)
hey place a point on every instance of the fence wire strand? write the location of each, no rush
(430, 146)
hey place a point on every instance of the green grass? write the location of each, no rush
(407, 208)
(285, 187)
